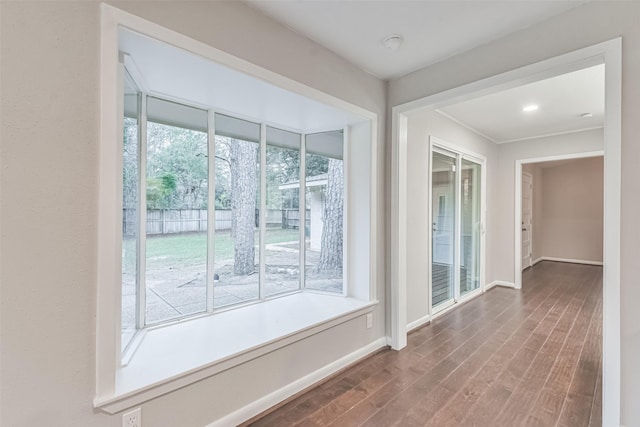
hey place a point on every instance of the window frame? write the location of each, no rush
(142, 323)
(360, 281)
(301, 213)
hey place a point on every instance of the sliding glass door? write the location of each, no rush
(470, 226)
(443, 191)
(456, 225)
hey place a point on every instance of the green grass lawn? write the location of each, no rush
(191, 249)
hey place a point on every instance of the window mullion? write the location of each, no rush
(302, 206)
(142, 217)
(211, 208)
(263, 209)
(345, 210)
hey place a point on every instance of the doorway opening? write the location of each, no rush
(501, 226)
(561, 210)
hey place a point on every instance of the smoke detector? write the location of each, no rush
(393, 42)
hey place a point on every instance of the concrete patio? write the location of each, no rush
(178, 290)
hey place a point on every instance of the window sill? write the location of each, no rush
(174, 356)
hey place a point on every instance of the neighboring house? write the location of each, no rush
(316, 185)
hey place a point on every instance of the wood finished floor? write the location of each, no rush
(507, 358)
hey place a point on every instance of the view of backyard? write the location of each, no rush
(164, 262)
(176, 273)
(182, 250)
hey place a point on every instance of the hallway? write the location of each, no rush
(506, 358)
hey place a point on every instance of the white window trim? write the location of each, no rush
(160, 365)
(111, 393)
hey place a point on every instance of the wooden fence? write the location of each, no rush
(174, 221)
(291, 218)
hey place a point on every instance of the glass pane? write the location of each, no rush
(470, 225)
(177, 202)
(443, 205)
(236, 277)
(130, 179)
(282, 250)
(324, 212)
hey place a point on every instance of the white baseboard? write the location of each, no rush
(572, 261)
(500, 283)
(257, 407)
(537, 261)
(417, 323)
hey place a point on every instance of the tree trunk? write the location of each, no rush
(244, 184)
(331, 241)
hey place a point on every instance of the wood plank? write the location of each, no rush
(548, 405)
(527, 357)
(578, 404)
(595, 419)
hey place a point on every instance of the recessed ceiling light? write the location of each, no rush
(393, 41)
(586, 115)
(529, 108)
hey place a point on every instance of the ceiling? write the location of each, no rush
(432, 30)
(498, 116)
(561, 100)
(169, 72)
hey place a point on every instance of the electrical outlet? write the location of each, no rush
(132, 418)
(369, 320)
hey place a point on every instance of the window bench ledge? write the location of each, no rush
(174, 356)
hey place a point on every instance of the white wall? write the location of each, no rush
(50, 130)
(420, 126)
(583, 26)
(572, 210)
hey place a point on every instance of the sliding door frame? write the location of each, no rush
(460, 153)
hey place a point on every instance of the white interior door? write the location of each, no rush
(527, 213)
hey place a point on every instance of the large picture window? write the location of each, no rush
(325, 198)
(130, 208)
(176, 244)
(269, 223)
(282, 236)
(236, 213)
